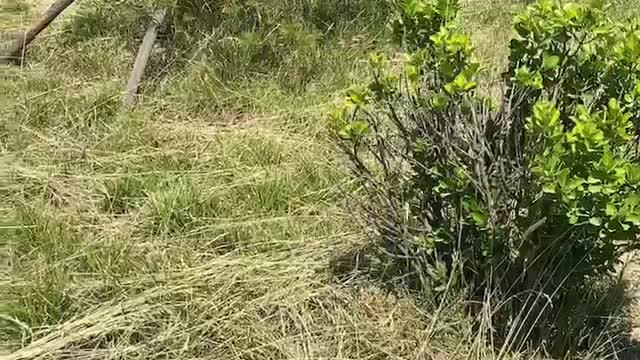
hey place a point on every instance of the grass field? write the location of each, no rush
(210, 221)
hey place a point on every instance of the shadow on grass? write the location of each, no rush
(590, 321)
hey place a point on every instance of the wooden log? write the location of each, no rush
(130, 95)
(15, 51)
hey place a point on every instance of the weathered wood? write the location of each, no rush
(15, 51)
(142, 59)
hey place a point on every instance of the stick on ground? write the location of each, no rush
(15, 52)
(143, 57)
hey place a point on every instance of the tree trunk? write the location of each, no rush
(15, 52)
(143, 57)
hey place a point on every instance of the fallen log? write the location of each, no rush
(142, 59)
(15, 52)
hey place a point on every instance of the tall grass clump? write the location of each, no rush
(295, 43)
(523, 204)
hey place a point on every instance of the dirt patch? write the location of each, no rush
(632, 278)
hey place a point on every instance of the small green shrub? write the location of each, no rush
(535, 195)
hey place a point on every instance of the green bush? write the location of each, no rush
(526, 202)
(575, 56)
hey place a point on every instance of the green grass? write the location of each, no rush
(204, 223)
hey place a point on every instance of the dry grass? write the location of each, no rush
(142, 236)
(201, 225)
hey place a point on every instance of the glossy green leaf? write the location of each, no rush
(595, 221)
(550, 62)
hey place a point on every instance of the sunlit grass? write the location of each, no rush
(210, 221)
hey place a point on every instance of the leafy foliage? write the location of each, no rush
(574, 55)
(535, 194)
(588, 177)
